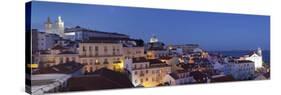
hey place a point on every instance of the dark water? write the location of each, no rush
(265, 54)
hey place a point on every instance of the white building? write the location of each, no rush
(156, 53)
(256, 57)
(56, 55)
(80, 33)
(153, 39)
(175, 51)
(43, 41)
(240, 69)
(179, 77)
(147, 73)
(95, 55)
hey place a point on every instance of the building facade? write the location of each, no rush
(95, 55)
(240, 69)
(43, 41)
(132, 52)
(57, 55)
(147, 73)
(256, 57)
(80, 34)
(179, 77)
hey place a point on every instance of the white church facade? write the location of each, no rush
(256, 57)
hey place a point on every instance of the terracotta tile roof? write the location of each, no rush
(200, 77)
(66, 68)
(100, 79)
(223, 79)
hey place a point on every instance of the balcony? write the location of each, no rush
(117, 62)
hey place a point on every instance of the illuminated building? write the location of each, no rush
(80, 34)
(179, 77)
(256, 57)
(156, 49)
(57, 55)
(145, 72)
(98, 54)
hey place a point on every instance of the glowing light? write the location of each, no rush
(149, 84)
(32, 65)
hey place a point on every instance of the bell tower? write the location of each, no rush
(48, 26)
(259, 52)
(59, 29)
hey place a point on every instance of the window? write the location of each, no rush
(83, 48)
(105, 61)
(141, 73)
(146, 79)
(141, 80)
(113, 50)
(146, 71)
(117, 51)
(73, 59)
(96, 48)
(97, 62)
(90, 50)
(105, 49)
(61, 59)
(67, 59)
(91, 61)
(140, 65)
(136, 72)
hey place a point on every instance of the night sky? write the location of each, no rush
(212, 31)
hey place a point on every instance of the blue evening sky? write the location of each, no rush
(212, 31)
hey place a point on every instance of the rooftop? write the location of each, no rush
(100, 79)
(66, 68)
(241, 61)
(139, 60)
(81, 29)
(222, 78)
